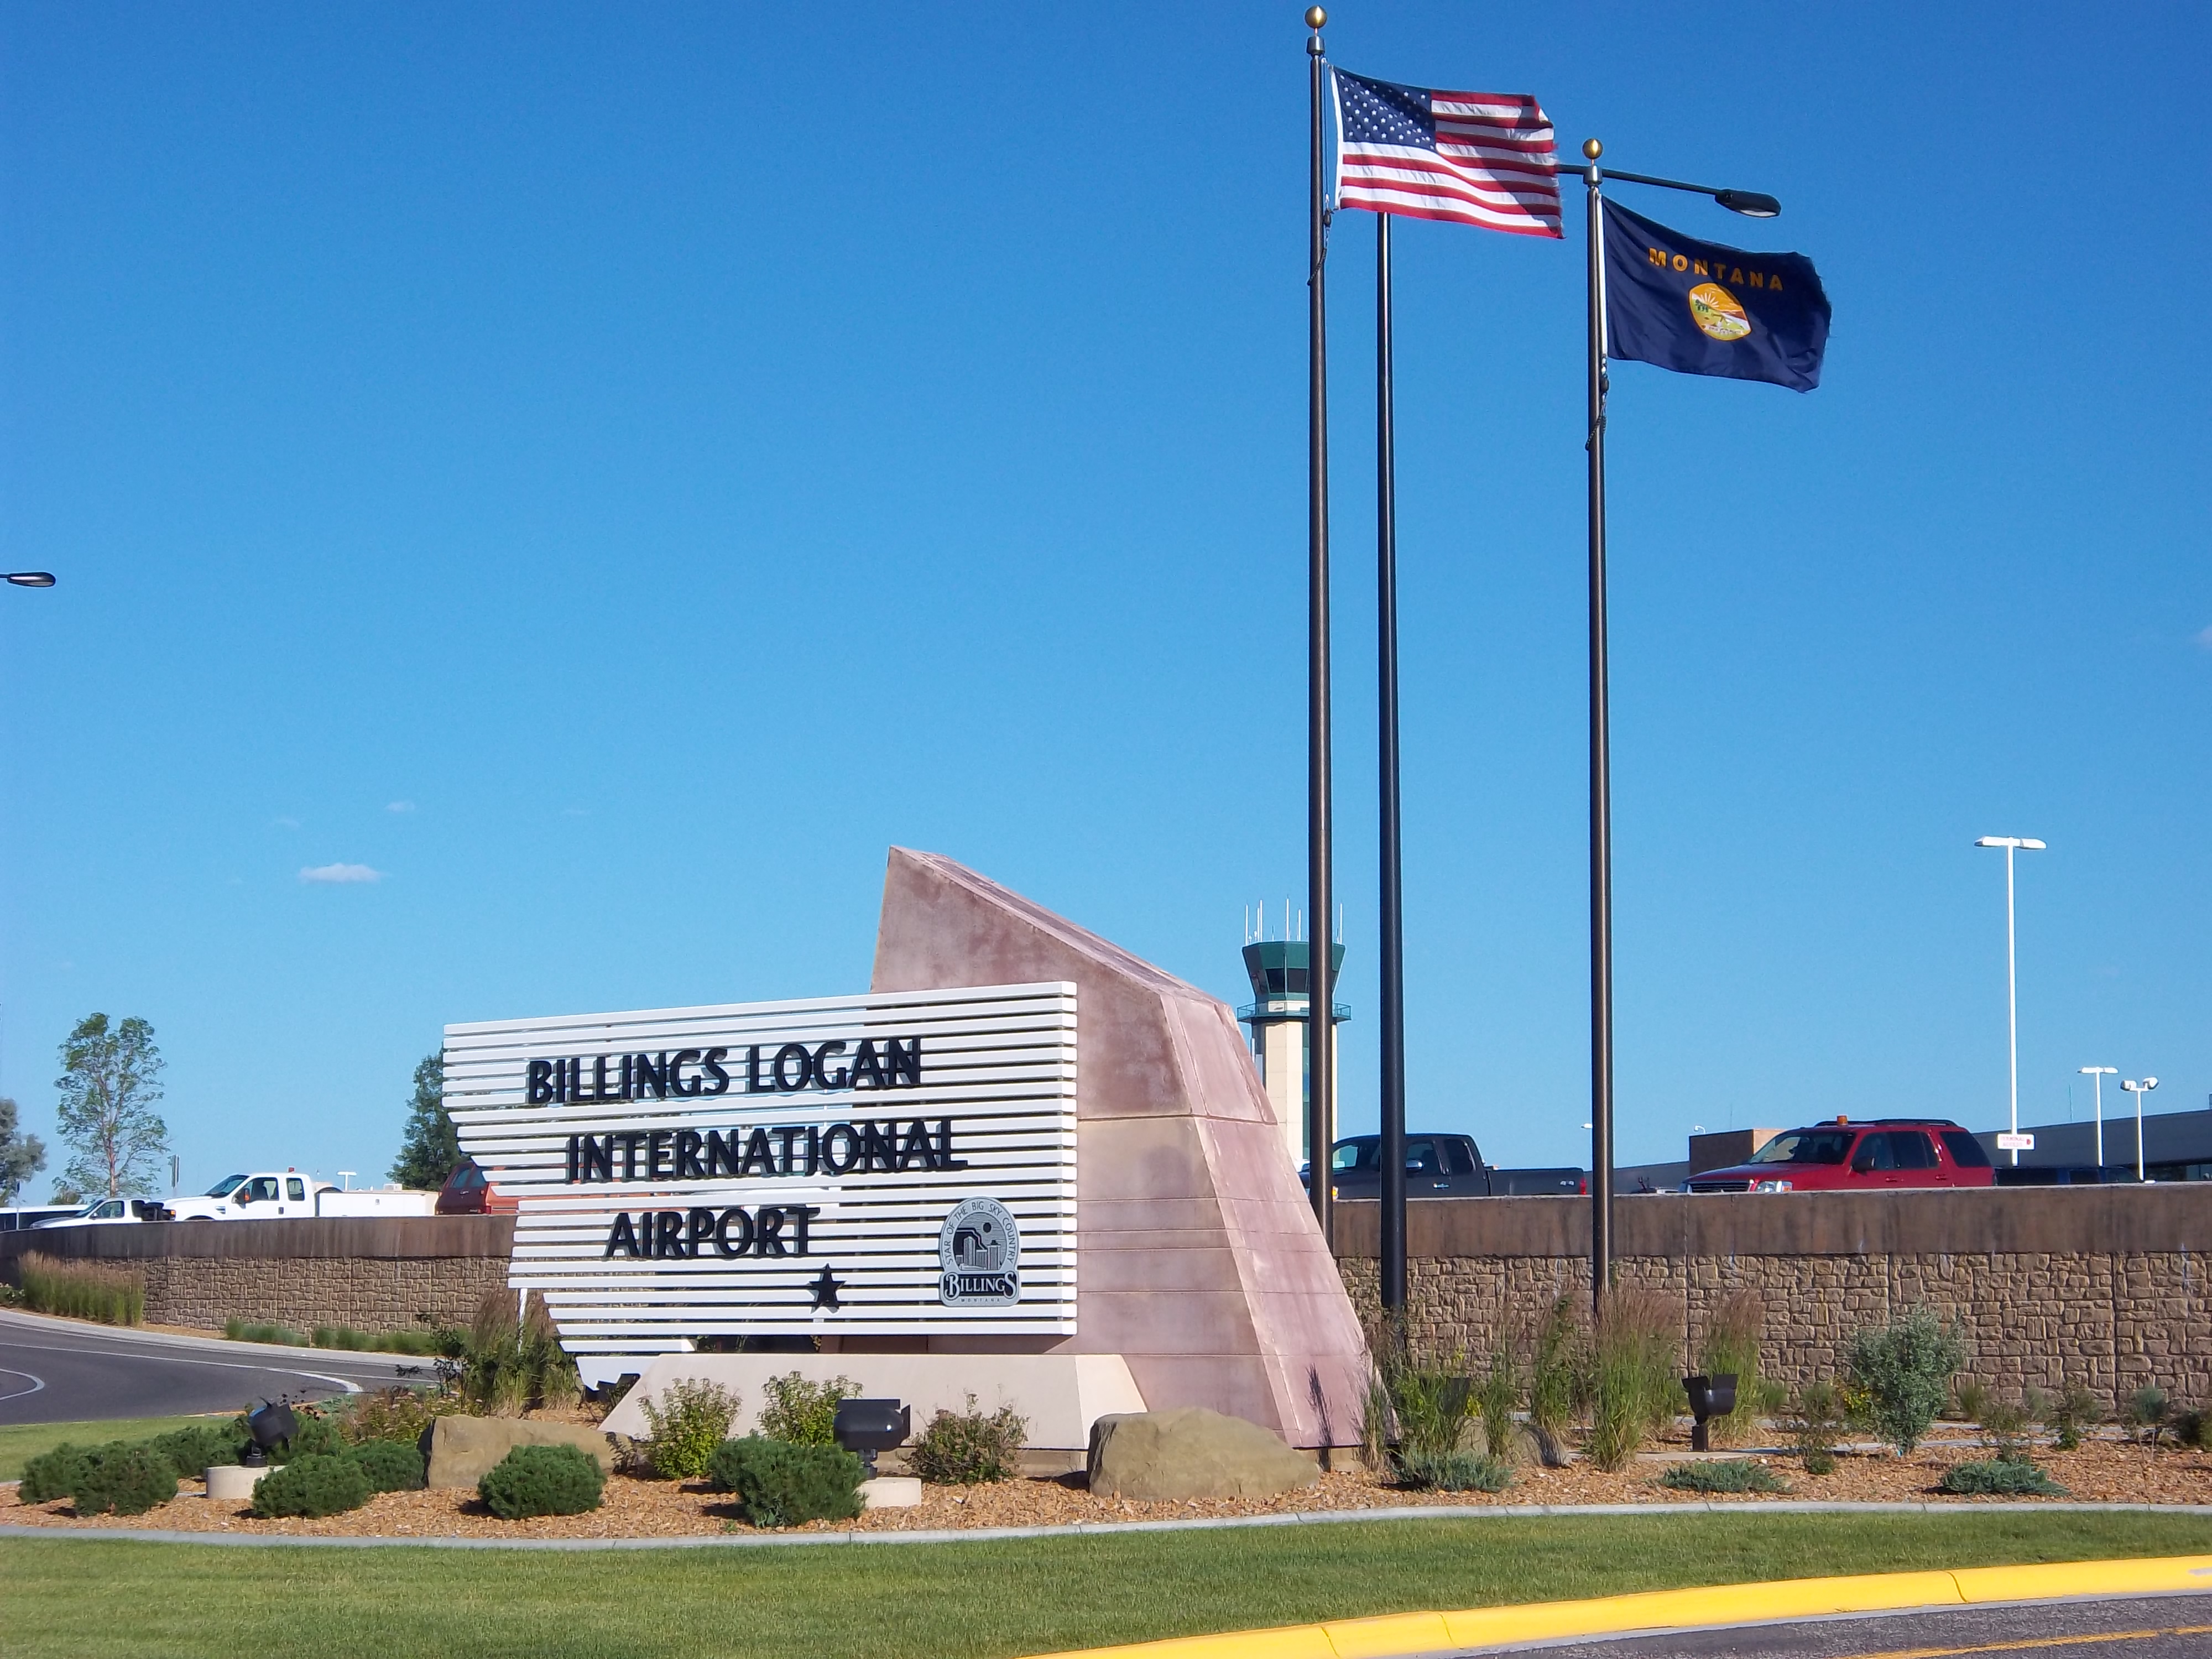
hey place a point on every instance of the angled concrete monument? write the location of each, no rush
(1200, 1262)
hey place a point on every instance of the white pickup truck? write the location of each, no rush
(277, 1195)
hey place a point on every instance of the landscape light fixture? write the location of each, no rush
(1710, 1396)
(2012, 844)
(32, 578)
(869, 1426)
(270, 1427)
(2100, 1072)
(2139, 1089)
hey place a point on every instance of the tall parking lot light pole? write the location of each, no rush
(2011, 844)
(2139, 1089)
(2100, 1072)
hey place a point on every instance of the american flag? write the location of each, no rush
(1478, 158)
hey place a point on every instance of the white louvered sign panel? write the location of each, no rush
(895, 1163)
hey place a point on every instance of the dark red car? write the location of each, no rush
(467, 1193)
(1871, 1155)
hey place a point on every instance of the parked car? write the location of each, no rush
(287, 1193)
(17, 1219)
(467, 1192)
(1873, 1155)
(111, 1213)
(1440, 1166)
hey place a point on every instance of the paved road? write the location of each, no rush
(58, 1371)
(2135, 1627)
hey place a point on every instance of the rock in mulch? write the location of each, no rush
(462, 1450)
(1191, 1453)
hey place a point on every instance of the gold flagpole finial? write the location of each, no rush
(1315, 17)
(1592, 148)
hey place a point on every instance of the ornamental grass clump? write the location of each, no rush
(399, 1414)
(320, 1483)
(1728, 1474)
(1903, 1374)
(1635, 1386)
(1554, 1380)
(800, 1413)
(388, 1466)
(1999, 1476)
(532, 1481)
(2071, 1413)
(82, 1289)
(690, 1418)
(968, 1448)
(129, 1480)
(1495, 1399)
(283, 1336)
(1731, 1347)
(780, 1485)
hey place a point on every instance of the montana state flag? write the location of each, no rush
(1701, 308)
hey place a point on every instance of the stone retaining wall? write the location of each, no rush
(2103, 1285)
(374, 1275)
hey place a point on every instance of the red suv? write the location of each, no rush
(1879, 1153)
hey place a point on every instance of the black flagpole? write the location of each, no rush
(1600, 786)
(1393, 938)
(1320, 980)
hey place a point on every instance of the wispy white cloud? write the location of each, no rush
(576, 811)
(340, 874)
(2204, 640)
(399, 806)
(286, 823)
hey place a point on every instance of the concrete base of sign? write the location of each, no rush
(229, 1484)
(890, 1492)
(1061, 1396)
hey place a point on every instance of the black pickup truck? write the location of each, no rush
(1442, 1166)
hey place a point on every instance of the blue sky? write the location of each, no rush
(613, 471)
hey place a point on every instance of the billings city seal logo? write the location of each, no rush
(978, 1250)
(1718, 312)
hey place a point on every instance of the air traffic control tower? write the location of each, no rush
(1282, 996)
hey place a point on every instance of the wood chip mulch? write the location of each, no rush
(2103, 1471)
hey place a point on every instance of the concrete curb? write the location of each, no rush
(1399, 1635)
(1081, 1529)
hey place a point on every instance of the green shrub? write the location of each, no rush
(314, 1434)
(129, 1479)
(1635, 1379)
(1553, 1387)
(1817, 1418)
(1905, 1371)
(320, 1483)
(2073, 1411)
(1731, 1345)
(1973, 1398)
(1999, 1476)
(82, 1289)
(2193, 1427)
(803, 1413)
(1454, 1471)
(1495, 1401)
(201, 1446)
(1729, 1474)
(965, 1449)
(690, 1418)
(781, 1484)
(399, 1414)
(2006, 1426)
(542, 1480)
(388, 1466)
(284, 1336)
(2147, 1411)
(54, 1475)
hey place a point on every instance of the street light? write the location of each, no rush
(2011, 844)
(2139, 1089)
(1752, 203)
(2100, 1072)
(31, 578)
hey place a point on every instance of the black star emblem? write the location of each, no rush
(825, 1290)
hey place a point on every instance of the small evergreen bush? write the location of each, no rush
(966, 1449)
(55, 1473)
(1904, 1372)
(201, 1446)
(1999, 1476)
(2147, 1411)
(388, 1466)
(1730, 1474)
(781, 1484)
(315, 1435)
(1454, 1471)
(690, 1418)
(542, 1480)
(803, 1413)
(129, 1479)
(319, 1483)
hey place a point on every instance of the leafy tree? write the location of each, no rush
(429, 1148)
(21, 1156)
(111, 1078)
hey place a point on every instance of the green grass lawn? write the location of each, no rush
(21, 1441)
(1017, 1597)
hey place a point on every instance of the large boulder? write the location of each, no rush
(1191, 1453)
(462, 1450)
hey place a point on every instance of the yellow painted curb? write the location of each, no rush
(1402, 1633)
